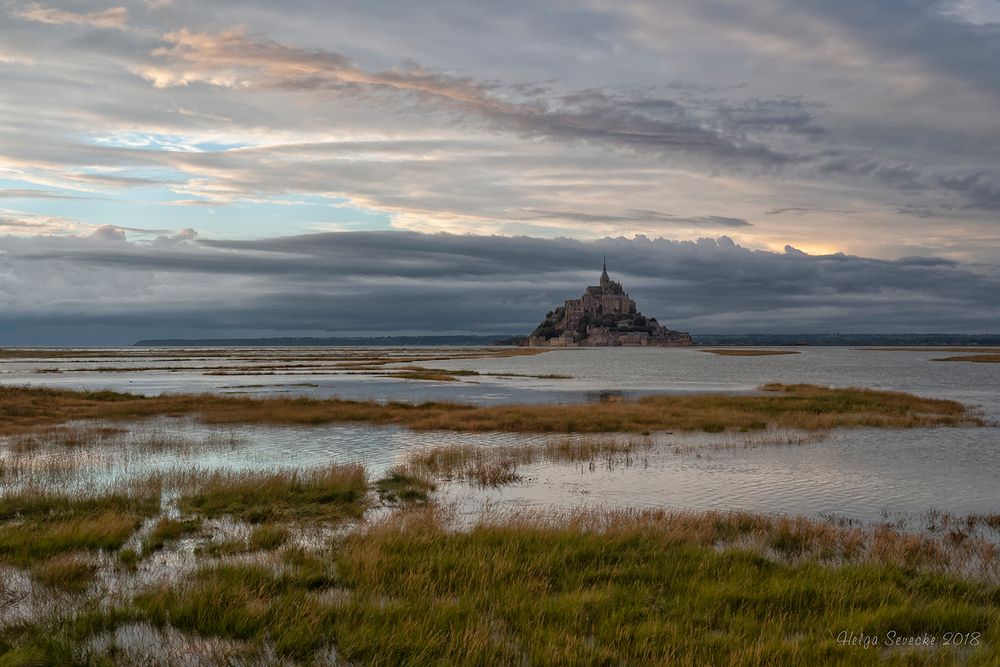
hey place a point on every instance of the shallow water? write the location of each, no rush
(860, 474)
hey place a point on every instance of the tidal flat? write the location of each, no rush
(613, 526)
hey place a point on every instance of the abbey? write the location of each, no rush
(604, 316)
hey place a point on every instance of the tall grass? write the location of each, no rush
(400, 487)
(168, 530)
(332, 493)
(805, 407)
(498, 465)
(633, 589)
(250, 603)
(583, 587)
(71, 573)
(37, 524)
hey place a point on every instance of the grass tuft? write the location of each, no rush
(169, 530)
(71, 573)
(39, 525)
(331, 494)
(399, 487)
(268, 536)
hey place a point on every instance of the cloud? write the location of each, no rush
(114, 17)
(646, 218)
(23, 223)
(31, 193)
(108, 233)
(864, 127)
(234, 59)
(396, 281)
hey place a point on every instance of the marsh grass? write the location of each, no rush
(75, 458)
(735, 441)
(250, 603)
(498, 464)
(448, 375)
(169, 530)
(484, 466)
(932, 348)
(534, 587)
(333, 493)
(268, 536)
(401, 487)
(748, 353)
(428, 374)
(976, 358)
(804, 407)
(636, 588)
(71, 572)
(128, 559)
(39, 524)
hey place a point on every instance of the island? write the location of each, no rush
(604, 316)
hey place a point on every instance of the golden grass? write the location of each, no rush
(976, 358)
(268, 536)
(70, 572)
(805, 407)
(930, 348)
(748, 353)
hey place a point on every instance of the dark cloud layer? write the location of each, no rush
(392, 282)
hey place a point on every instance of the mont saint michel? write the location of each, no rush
(605, 315)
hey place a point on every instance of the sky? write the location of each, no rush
(171, 168)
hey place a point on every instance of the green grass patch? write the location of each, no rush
(250, 603)
(268, 536)
(513, 594)
(399, 487)
(328, 494)
(36, 526)
(128, 559)
(169, 530)
(60, 641)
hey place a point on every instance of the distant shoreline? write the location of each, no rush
(703, 340)
(352, 341)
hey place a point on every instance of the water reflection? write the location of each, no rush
(860, 474)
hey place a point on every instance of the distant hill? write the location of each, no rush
(355, 341)
(892, 340)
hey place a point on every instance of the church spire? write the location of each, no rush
(605, 280)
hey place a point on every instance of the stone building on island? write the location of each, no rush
(604, 316)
